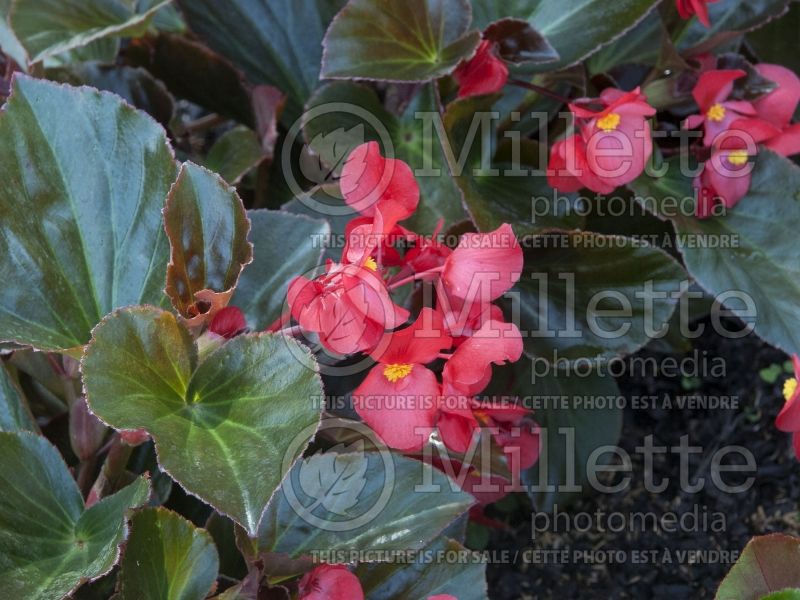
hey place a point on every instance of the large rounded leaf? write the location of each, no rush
(49, 543)
(222, 427)
(81, 231)
(769, 563)
(752, 250)
(359, 501)
(14, 412)
(593, 296)
(398, 40)
(168, 558)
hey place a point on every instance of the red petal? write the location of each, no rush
(228, 322)
(421, 342)
(786, 143)
(484, 73)
(715, 86)
(402, 413)
(566, 162)
(778, 106)
(484, 265)
(330, 582)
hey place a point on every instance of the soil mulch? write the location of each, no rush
(647, 562)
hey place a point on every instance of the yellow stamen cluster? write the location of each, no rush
(789, 388)
(609, 123)
(716, 113)
(395, 372)
(738, 157)
(371, 264)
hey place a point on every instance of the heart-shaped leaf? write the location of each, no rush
(277, 42)
(46, 28)
(284, 246)
(769, 563)
(757, 254)
(222, 427)
(14, 412)
(80, 212)
(313, 512)
(167, 557)
(235, 154)
(50, 543)
(465, 580)
(587, 295)
(207, 227)
(398, 40)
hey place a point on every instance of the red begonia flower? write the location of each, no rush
(400, 396)
(349, 307)
(469, 370)
(484, 73)
(462, 317)
(611, 148)
(726, 175)
(778, 108)
(789, 418)
(228, 322)
(330, 582)
(484, 265)
(516, 433)
(456, 422)
(717, 113)
(371, 183)
(687, 8)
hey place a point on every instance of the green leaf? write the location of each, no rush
(465, 579)
(235, 154)
(80, 211)
(192, 71)
(641, 45)
(49, 27)
(774, 43)
(284, 246)
(14, 412)
(559, 405)
(769, 563)
(222, 427)
(585, 295)
(49, 543)
(398, 40)
(763, 262)
(359, 501)
(277, 42)
(334, 134)
(136, 85)
(207, 227)
(168, 558)
(729, 18)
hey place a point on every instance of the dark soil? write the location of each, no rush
(636, 566)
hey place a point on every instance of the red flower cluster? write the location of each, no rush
(350, 308)
(484, 73)
(612, 145)
(789, 418)
(688, 8)
(734, 128)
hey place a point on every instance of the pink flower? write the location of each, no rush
(484, 265)
(687, 8)
(778, 108)
(228, 322)
(349, 307)
(399, 398)
(717, 113)
(789, 418)
(612, 147)
(515, 432)
(484, 73)
(330, 582)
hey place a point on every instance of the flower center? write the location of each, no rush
(610, 122)
(371, 264)
(395, 372)
(789, 388)
(738, 157)
(716, 113)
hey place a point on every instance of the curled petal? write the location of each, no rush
(421, 342)
(715, 86)
(778, 107)
(484, 73)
